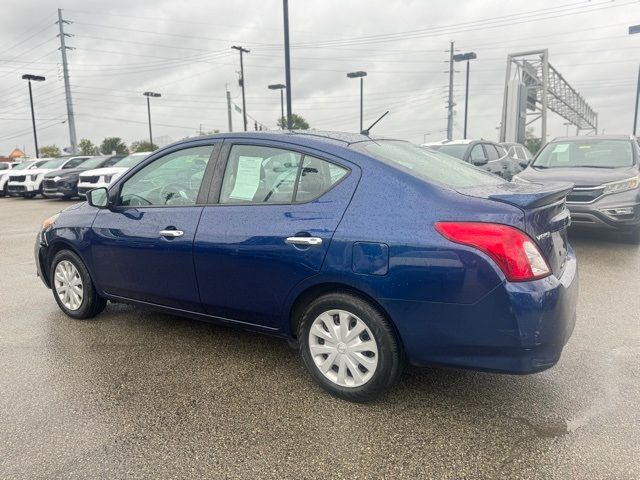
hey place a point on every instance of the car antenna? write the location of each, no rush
(366, 131)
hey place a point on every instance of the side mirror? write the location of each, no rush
(479, 162)
(98, 197)
(523, 163)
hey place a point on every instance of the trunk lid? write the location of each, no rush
(546, 217)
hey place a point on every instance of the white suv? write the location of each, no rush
(16, 170)
(29, 184)
(103, 177)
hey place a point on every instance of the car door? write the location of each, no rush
(495, 164)
(142, 247)
(269, 228)
(478, 157)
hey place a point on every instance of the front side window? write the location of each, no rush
(257, 174)
(171, 180)
(457, 150)
(4, 166)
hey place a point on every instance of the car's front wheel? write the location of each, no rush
(73, 288)
(348, 347)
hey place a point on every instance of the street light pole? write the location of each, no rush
(633, 30)
(459, 58)
(281, 87)
(287, 62)
(35, 78)
(149, 95)
(359, 74)
(244, 105)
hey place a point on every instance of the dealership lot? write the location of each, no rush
(139, 394)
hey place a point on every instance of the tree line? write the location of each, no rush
(117, 145)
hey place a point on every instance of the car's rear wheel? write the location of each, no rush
(73, 288)
(348, 347)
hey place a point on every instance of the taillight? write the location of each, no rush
(513, 250)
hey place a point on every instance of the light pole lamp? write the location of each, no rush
(281, 87)
(149, 95)
(34, 78)
(461, 57)
(359, 74)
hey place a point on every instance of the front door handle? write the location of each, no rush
(308, 241)
(171, 233)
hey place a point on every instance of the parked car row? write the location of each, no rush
(65, 177)
(504, 160)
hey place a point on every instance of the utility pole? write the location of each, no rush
(287, 62)
(244, 105)
(67, 88)
(149, 95)
(281, 87)
(450, 101)
(461, 57)
(360, 75)
(229, 110)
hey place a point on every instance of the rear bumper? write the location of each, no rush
(517, 328)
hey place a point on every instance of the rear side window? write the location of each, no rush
(258, 174)
(492, 152)
(477, 153)
(430, 165)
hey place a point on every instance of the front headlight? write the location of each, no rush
(518, 179)
(107, 178)
(32, 178)
(622, 185)
(48, 223)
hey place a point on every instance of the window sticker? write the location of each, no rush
(247, 178)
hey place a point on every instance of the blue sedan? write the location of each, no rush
(365, 253)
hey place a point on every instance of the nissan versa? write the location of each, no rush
(365, 253)
(606, 173)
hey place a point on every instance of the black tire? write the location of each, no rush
(389, 354)
(92, 303)
(28, 195)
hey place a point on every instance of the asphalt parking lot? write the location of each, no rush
(139, 394)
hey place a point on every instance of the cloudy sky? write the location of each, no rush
(182, 50)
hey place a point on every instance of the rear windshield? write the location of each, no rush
(586, 153)
(453, 150)
(430, 165)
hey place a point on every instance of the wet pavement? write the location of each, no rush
(138, 394)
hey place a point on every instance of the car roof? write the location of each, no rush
(593, 137)
(308, 137)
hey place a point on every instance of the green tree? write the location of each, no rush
(297, 122)
(532, 142)
(142, 146)
(113, 144)
(87, 147)
(50, 151)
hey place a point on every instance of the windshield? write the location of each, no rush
(22, 166)
(131, 160)
(453, 150)
(590, 152)
(94, 162)
(427, 164)
(53, 164)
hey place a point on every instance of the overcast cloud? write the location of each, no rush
(182, 50)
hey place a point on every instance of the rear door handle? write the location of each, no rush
(171, 233)
(308, 241)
